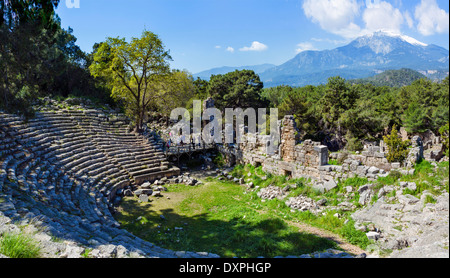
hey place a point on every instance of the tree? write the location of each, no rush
(339, 97)
(276, 95)
(133, 71)
(238, 89)
(444, 131)
(415, 119)
(28, 34)
(174, 90)
(397, 149)
(201, 87)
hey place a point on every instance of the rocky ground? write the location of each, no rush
(410, 227)
(399, 224)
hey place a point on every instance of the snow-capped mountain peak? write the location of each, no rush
(407, 39)
(385, 41)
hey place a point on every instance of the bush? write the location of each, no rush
(353, 143)
(219, 160)
(395, 175)
(397, 148)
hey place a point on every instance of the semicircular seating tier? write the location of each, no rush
(64, 167)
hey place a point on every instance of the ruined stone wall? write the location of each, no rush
(295, 160)
(310, 159)
(373, 156)
(288, 152)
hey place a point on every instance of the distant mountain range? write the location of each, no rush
(364, 57)
(258, 69)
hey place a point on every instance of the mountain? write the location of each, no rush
(258, 69)
(392, 78)
(363, 57)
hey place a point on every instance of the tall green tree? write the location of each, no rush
(133, 70)
(276, 95)
(339, 97)
(174, 90)
(28, 34)
(238, 89)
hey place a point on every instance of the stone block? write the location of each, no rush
(323, 154)
(373, 235)
(407, 199)
(329, 185)
(373, 170)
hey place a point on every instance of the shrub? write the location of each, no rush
(397, 149)
(353, 143)
(394, 174)
(219, 160)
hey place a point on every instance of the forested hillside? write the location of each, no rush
(392, 78)
(340, 113)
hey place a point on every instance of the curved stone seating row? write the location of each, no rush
(62, 169)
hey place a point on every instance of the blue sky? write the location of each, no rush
(203, 34)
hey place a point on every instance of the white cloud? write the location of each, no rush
(335, 16)
(304, 46)
(217, 47)
(381, 15)
(431, 18)
(256, 46)
(409, 19)
(230, 49)
(335, 42)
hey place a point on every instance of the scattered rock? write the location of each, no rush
(407, 199)
(373, 235)
(329, 185)
(412, 186)
(128, 193)
(143, 198)
(322, 202)
(302, 203)
(270, 192)
(365, 197)
(143, 192)
(156, 194)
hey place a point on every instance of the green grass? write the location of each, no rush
(18, 246)
(222, 218)
(354, 236)
(219, 218)
(430, 200)
(428, 178)
(334, 162)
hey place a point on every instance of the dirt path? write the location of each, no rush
(347, 247)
